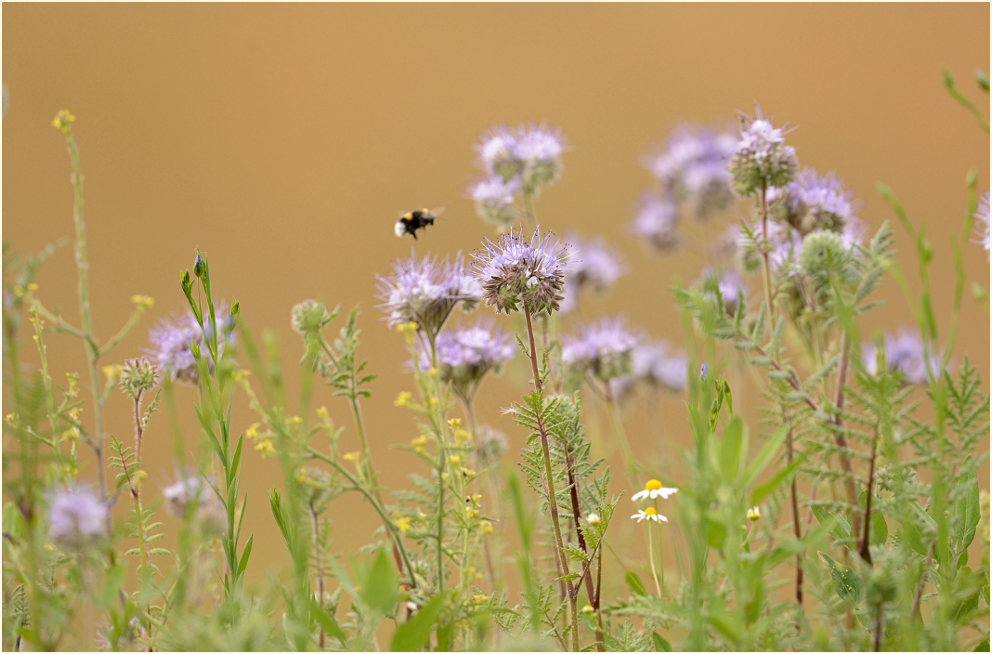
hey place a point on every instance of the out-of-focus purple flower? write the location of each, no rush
(208, 511)
(592, 264)
(426, 291)
(692, 166)
(493, 198)
(602, 349)
(171, 338)
(761, 159)
(783, 241)
(981, 233)
(654, 364)
(728, 284)
(464, 356)
(656, 221)
(514, 271)
(812, 202)
(903, 352)
(75, 517)
(529, 154)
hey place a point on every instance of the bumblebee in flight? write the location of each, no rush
(412, 221)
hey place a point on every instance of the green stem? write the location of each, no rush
(654, 571)
(82, 290)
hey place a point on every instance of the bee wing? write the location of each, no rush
(437, 211)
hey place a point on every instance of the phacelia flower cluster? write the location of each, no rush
(76, 517)
(656, 220)
(515, 160)
(602, 349)
(464, 356)
(692, 168)
(171, 341)
(515, 272)
(139, 375)
(655, 365)
(904, 352)
(811, 202)
(982, 222)
(425, 291)
(761, 159)
(192, 494)
(591, 265)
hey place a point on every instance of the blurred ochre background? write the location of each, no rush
(284, 141)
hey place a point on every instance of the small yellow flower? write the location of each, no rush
(468, 472)
(295, 421)
(754, 513)
(252, 432)
(403, 524)
(471, 512)
(143, 302)
(241, 375)
(419, 442)
(63, 121)
(403, 399)
(432, 401)
(73, 379)
(432, 372)
(322, 413)
(113, 372)
(480, 598)
(351, 456)
(588, 608)
(444, 476)
(487, 528)
(454, 459)
(49, 547)
(455, 423)
(11, 419)
(32, 287)
(407, 327)
(265, 448)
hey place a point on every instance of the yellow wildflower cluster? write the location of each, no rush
(113, 372)
(72, 432)
(403, 399)
(265, 448)
(73, 379)
(407, 327)
(63, 121)
(419, 442)
(403, 523)
(351, 456)
(323, 414)
(142, 302)
(241, 375)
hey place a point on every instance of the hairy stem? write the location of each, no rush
(315, 523)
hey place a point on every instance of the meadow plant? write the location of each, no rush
(830, 501)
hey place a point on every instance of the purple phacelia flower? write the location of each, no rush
(514, 272)
(172, 337)
(981, 233)
(76, 517)
(592, 265)
(652, 364)
(692, 167)
(811, 202)
(904, 352)
(194, 494)
(426, 291)
(728, 284)
(761, 160)
(656, 221)
(493, 199)
(602, 349)
(531, 155)
(464, 356)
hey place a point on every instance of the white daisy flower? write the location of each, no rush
(654, 489)
(648, 514)
(754, 513)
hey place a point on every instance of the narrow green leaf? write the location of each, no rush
(634, 583)
(379, 590)
(415, 633)
(243, 563)
(327, 622)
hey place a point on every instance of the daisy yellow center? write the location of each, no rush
(653, 484)
(650, 511)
